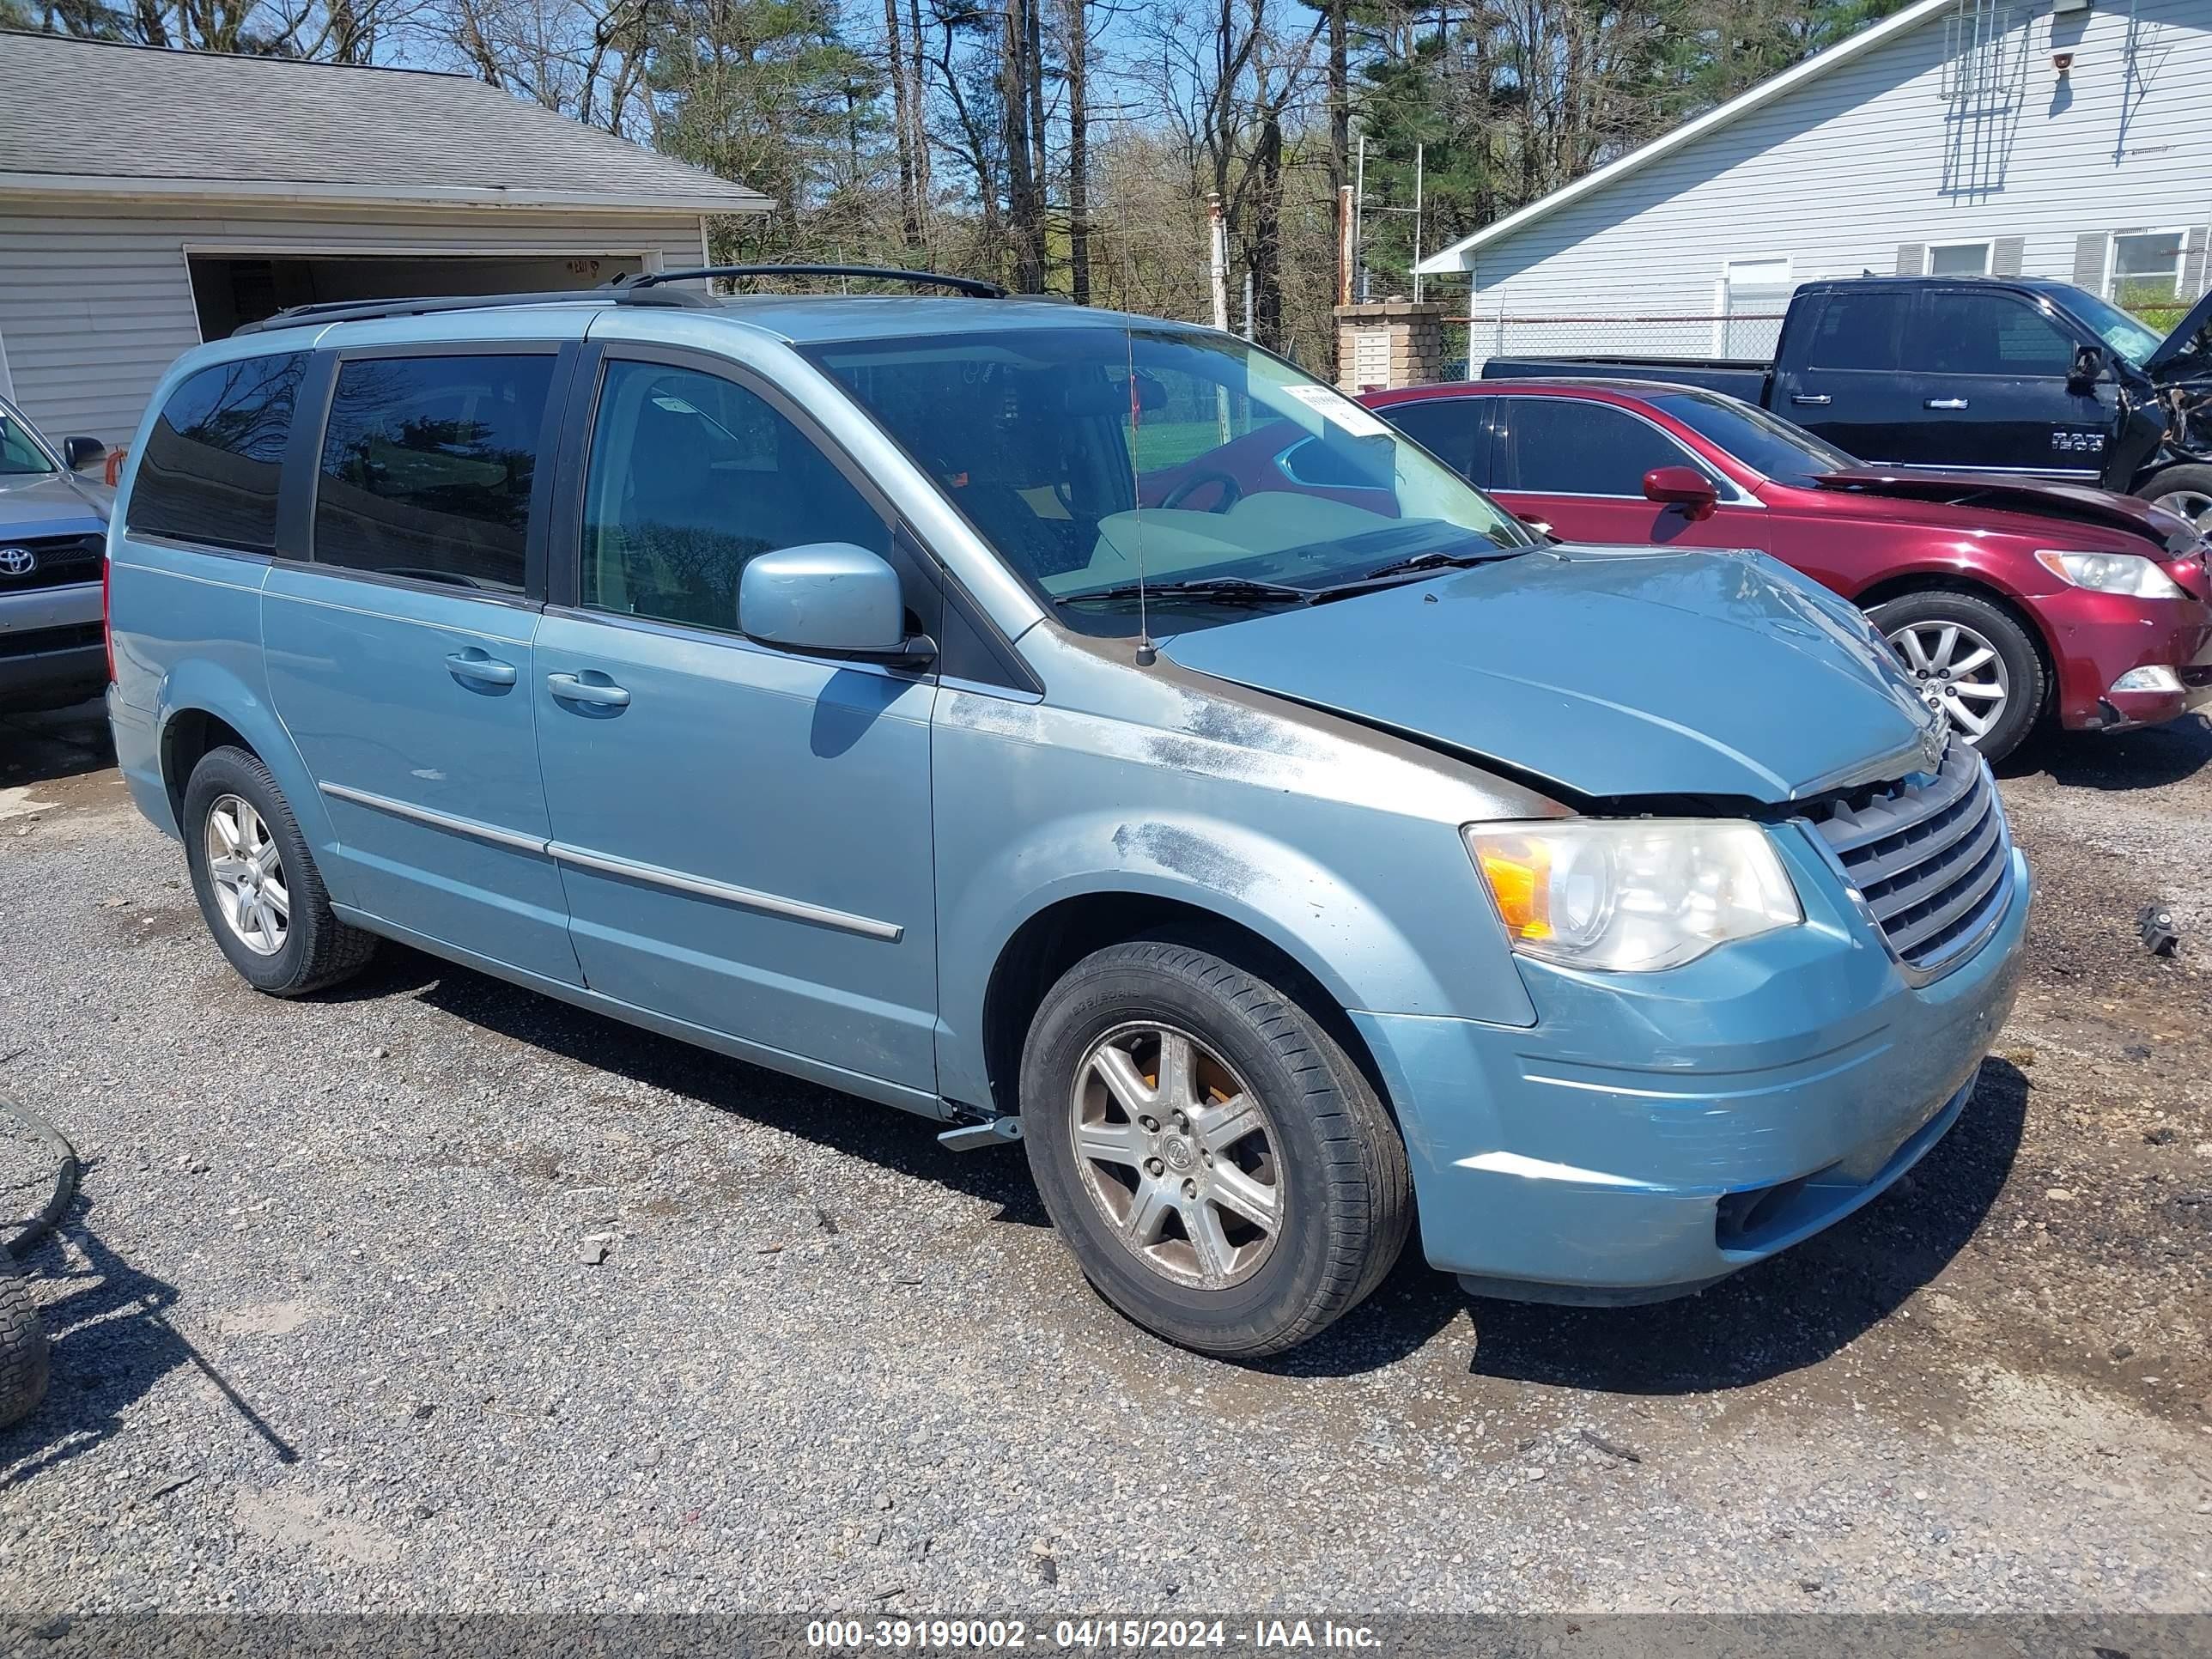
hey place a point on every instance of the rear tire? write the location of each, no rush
(264, 899)
(2186, 490)
(2004, 684)
(1270, 1192)
(24, 1356)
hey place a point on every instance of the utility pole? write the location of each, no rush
(1247, 303)
(1359, 224)
(1420, 153)
(1343, 255)
(1217, 243)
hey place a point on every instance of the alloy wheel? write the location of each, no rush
(1178, 1155)
(2194, 505)
(247, 876)
(1959, 674)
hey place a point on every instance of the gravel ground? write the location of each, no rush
(327, 1337)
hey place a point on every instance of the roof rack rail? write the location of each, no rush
(356, 310)
(974, 286)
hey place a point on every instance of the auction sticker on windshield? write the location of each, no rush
(1335, 407)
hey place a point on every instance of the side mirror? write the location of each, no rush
(78, 454)
(1684, 487)
(831, 598)
(2088, 365)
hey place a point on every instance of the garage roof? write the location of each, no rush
(88, 118)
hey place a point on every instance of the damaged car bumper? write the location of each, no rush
(1652, 1133)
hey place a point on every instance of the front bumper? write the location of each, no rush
(51, 651)
(1653, 1132)
(2098, 638)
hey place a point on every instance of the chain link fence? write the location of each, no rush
(1748, 336)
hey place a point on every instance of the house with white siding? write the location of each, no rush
(2059, 139)
(151, 199)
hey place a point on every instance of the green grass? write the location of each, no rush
(1162, 444)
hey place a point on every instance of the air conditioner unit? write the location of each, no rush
(2060, 8)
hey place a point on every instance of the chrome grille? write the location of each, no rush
(1929, 856)
(57, 561)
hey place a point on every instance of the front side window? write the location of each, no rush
(2147, 268)
(1966, 332)
(2127, 336)
(210, 467)
(690, 477)
(1083, 454)
(1860, 330)
(428, 465)
(20, 455)
(1571, 446)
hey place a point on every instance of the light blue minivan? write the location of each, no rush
(1075, 729)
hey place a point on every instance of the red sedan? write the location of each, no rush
(2007, 597)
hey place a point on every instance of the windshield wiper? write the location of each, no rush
(1420, 563)
(1225, 590)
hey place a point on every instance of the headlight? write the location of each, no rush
(1631, 895)
(2112, 572)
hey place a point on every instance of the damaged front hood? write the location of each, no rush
(2188, 351)
(1608, 672)
(2004, 493)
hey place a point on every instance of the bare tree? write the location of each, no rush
(1075, 55)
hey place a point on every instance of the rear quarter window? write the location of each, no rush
(210, 466)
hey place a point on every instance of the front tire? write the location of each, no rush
(1970, 660)
(1223, 1174)
(256, 883)
(2186, 490)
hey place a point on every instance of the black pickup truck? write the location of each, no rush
(1995, 375)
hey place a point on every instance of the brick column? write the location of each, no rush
(1389, 343)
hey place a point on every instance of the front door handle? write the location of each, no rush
(1945, 403)
(474, 666)
(1815, 397)
(593, 694)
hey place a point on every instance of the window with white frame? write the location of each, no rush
(1958, 259)
(2145, 267)
(1753, 294)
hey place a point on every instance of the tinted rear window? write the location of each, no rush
(1454, 430)
(1860, 330)
(428, 465)
(210, 466)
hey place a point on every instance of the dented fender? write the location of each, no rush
(1256, 816)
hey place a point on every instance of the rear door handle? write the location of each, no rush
(474, 666)
(1945, 403)
(595, 693)
(1818, 398)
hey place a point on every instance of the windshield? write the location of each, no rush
(1083, 453)
(1770, 447)
(19, 453)
(2128, 338)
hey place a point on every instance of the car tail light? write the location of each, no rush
(107, 627)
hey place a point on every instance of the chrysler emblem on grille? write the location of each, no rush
(1931, 743)
(17, 562)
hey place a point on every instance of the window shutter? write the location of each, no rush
(1912, 258)
(2006, 255)
(2089, 261)
(2192, 265)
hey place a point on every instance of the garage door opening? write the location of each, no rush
(229, 290)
